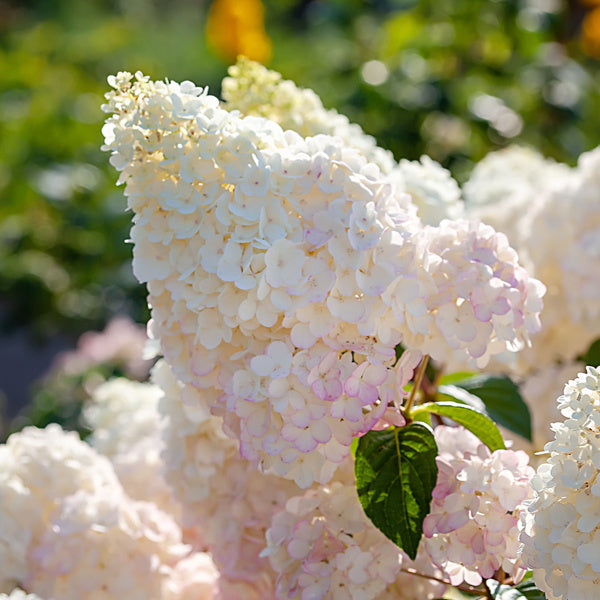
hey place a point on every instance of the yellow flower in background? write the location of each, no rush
(590, 33)
(236, 27)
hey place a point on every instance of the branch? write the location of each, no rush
(416, 385)
(463, 588)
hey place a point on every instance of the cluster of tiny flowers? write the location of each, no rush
(74, 532)
(472, 528)
(38, 469)
(227, 503)
(255, 90)
(561, 523)
(431, 188)
(282, 273)
(127, 429)
(539, 390)
(541, 202)
(323, 546)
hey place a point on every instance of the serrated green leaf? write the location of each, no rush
(395, 475)
(526, 590)
(503, 401)
(477, 423)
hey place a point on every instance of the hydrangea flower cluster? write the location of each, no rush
(323, 546)
(127, 428)
(561, 523)
(283, 271)
(471, 530)
(207, 474)
(432, 189)
(69, 530)
(257, 91)
(540, 202)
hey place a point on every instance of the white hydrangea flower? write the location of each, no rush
(540, 202)
(539, 390)
(296, 248)
(560, 528)
(255, 90)
(18, 594)
(323, 546)
(127, 429)
(194, 577)
(69, 530)
(38, 469)
(227, 504)
(106, 545)
(431, 188)
(471, 530)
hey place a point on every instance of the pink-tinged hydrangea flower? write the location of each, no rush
(122, 343)
(410, 586)
(302, 243)
(38, 468)
(127, 429)
(541, 202)
(561, 524)
(227, 504)
(106, 545)
(471, 530)
(323, 546)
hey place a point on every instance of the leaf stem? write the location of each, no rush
(416, 385)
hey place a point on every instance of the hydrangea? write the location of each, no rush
(38, 469)
(432, 189)
(127, 429)
(541, 202)
(539, 390)
(194, 577)
(323, 546)
(207, 473)
(561, 523)
(471, 530)
(121, 343)
(18, 594)
(70, 531)
(283, 271)
(255, 90)
(105, 544)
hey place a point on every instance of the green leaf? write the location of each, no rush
(453, 393)
(592, 355)
(477, 423)
(502, 400)
(526, 590)
(458, 376)
(354, 446)
(395, 476)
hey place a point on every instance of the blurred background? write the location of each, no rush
(453, 79)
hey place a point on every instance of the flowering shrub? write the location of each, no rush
(302, 437)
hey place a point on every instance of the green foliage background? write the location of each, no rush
(452, 71)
